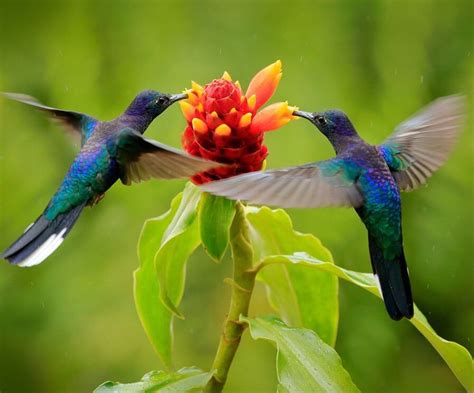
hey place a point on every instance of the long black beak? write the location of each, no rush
(307, 115)
(178, 97)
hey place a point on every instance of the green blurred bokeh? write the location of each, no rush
(70, 324)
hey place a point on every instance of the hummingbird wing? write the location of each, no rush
(319, 184)
(78, 124)
(421, 144)
(143, 159)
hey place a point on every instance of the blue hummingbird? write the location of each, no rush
(366, 177)
(110, 150)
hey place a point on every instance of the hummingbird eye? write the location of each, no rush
(321, 120)
(161, 100)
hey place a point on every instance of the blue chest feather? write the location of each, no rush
(91, 174)
(381, 211)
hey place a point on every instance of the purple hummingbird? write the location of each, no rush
(111, 150)
(366, 177)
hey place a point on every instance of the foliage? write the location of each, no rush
(183, 380)
(304, 362)
(301, 281)
(456, 356)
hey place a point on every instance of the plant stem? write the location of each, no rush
(243, 282)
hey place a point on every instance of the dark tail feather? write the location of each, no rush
(394, 282)
(41, 238)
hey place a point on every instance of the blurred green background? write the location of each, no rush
(70, 324)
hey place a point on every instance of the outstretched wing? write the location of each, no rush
(80, 125)
(142, 159)
(320, 184)
(421, 144)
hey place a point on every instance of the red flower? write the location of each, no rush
(225, 126)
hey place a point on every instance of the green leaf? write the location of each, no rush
(179, 241)
(456, 356)
(165, 244)
(185, 380)
(304, 362)
(303, 297)
(216, 214)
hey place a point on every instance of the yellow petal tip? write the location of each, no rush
(223, 130)
(199, 126)
(252, 101)
(197, 88)
(245, 120)
(187, 109)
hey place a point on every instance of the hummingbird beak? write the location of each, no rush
(177, 97)
(307, 115)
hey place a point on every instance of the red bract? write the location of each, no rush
(226, 126)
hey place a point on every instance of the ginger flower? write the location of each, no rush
(226, 125)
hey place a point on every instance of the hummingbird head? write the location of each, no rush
(150, 103)
(334, 124)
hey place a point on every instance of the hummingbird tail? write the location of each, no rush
(394, 283)
(41, 238)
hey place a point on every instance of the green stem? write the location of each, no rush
(243, 282)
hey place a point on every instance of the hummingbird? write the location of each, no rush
(368, 178)
(110, 150)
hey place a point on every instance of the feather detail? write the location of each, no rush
(421, 144)
(79, 125)
(321, 184)
(142, 159)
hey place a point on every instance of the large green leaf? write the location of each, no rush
(163, 249)
(184, 380)
(456, 356)
(215, 216)
(179, 241)
(304, 362)
(303, 297)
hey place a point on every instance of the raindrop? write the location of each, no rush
(422, 78)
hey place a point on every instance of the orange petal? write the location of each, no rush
(187, 109)
(199, 126)
(264, 83)
(223, 130)
(272, 117)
